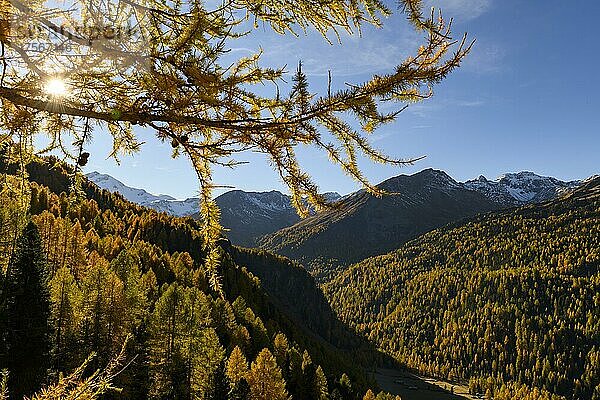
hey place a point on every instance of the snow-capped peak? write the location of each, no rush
(161, 203)
(111, 184)
(238, 201)
(332, 197)
(521, 187)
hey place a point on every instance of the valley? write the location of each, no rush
(299, 200)
(485, 301)
(480, 240)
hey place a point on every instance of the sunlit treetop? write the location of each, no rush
(71, 68)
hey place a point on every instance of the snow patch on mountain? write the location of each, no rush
(590, 179)
(178, 208)
(161, 203)
(111, 184)
(269, 201)
(245, 205)
(521, 188)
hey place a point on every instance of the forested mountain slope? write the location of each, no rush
(365, 225)
(118, 270)
(508, 300)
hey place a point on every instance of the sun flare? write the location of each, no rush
(56, 87)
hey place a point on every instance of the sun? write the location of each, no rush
(56, 87)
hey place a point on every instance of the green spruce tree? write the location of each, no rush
(27, 315)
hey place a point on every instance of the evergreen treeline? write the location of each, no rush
(86, 275)
(508, 301)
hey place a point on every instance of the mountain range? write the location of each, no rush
(365, 225)
(502, 284)
(246, 215)
(361, 225)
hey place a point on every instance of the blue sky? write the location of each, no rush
(525, 99)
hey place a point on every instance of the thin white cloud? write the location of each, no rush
(379, 136)
(368, 55)
(428, 107)
(486, 58)
(376, 51)
(462, 9)
(470, 103)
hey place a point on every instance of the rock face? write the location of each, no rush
(249, 215)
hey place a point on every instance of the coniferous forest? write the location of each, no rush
(421, 287)
(508, 301)
(101, 295)
(95, 283)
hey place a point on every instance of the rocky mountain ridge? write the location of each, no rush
(253, 218)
